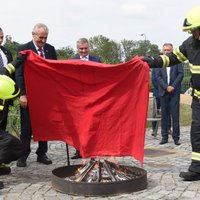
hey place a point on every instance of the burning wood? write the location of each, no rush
(96, 171)
(85, 171)
(109, 171)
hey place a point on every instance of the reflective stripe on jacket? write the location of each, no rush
(196, 156)
(189, 50)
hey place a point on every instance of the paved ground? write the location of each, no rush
(34, 181)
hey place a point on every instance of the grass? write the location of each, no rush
(185, 115)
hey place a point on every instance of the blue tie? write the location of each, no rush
(1, 61)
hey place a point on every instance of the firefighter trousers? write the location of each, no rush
(195, 136)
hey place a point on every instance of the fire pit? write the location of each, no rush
(98, 178)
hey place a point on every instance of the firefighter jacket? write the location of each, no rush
(189, 50)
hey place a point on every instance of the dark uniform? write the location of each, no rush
(3, 123)
(189, 50)
(6, 87)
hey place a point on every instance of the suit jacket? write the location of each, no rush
(7, 53)
(176, 76)
(91, 58)
(8, 56)
(50, 53)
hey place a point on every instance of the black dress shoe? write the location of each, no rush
(163, 141)
(21, 163)
(77, 155)
(153, 133)
(190, 176)
(4, 170)
(177, 143)
(44, 160)
(1, 185)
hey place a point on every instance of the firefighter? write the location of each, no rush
(188, 50)
(8, 88)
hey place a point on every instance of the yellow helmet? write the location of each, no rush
(8, 88)
(192, 19)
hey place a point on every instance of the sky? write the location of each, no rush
(159, 21)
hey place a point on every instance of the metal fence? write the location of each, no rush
(187, 77)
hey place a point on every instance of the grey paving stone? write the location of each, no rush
(34, 181)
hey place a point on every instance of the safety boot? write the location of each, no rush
(4, 169)
(190, 176)
(1, 185)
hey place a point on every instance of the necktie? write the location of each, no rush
(41, 52)
(1, 61)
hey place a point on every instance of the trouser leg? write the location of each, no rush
(26, 132)
(195, 137)
(3, 123)
(42, 148)
(164, 118)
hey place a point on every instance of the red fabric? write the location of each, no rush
(98, 108)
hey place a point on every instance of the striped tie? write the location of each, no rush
(1, 61)
(41, 52)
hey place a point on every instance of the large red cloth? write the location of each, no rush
(100, 109)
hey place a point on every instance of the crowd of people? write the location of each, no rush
(168, 72)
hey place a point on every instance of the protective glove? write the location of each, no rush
(150, 61)
(4, 71)
(20, 59)
(10, 67)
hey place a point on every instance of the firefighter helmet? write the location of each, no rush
(8, 88)
(192, 19)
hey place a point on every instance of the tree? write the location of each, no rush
(65, 53)
(11, 45)
(132, 48)
(128, 47)
(144, 47)
(108, 50)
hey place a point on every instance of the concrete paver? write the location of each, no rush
(34, 181)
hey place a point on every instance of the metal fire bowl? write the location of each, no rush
(96, 189)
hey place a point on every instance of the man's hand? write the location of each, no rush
(20, 59)
(149, 60)
(23, 101)
(4, 71)
(170, 88)
(10, 67)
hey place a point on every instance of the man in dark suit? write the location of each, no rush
(169, 80)
(39, 46)
(5, 58)
(83, 50)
